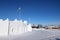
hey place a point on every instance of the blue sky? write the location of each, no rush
(38, 11)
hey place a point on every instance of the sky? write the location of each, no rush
(34, 11)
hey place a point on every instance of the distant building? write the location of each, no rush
(37, 26)
(52, 27)
(34, 26)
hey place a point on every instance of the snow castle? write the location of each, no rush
(13, 27)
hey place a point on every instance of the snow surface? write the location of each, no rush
(35, 35)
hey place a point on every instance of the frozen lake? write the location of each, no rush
(35, 35)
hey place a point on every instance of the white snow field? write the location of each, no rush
(35, 35)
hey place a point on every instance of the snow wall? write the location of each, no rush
(4, 27)
(15, 27)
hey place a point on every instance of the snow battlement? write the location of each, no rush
(15, 27)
